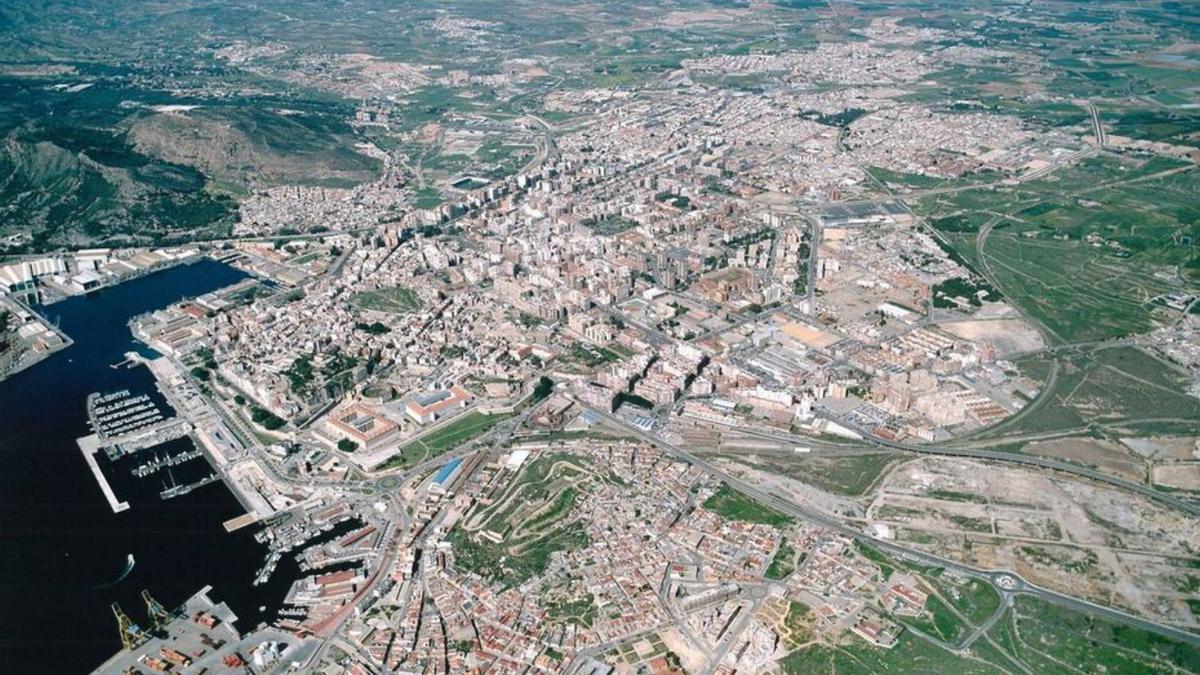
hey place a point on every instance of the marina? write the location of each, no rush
(119, 413)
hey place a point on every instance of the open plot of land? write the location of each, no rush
(775, 472)
(1030, 635)
(1178, 476)
(1074, 536)
(396, 300)
(1079, 292)
(1165, 447)
(1006, 336)
(1110, 457)
(784, 562)
(792, 621)
(910, 654)
(847, 475)
(850, 474)
(975, 599)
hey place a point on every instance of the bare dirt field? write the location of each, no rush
(1165, 447)
(1178, 476)
(1111, 458)
(1074, 536)
(1007, 336)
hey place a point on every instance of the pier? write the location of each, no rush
(180, 490)
(89, 446)
(143, 470)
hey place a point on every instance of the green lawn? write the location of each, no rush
(395, 300)
(445, 438)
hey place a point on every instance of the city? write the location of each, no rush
(842, 340)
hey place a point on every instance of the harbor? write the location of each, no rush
(69, 543)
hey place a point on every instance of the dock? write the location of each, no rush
(156, 464)
(180, 490)
(238, 522)
(89, 446)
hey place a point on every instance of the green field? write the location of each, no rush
(784, 562)
(445, 438)
(911, 654)
(731, 504)
(975, 599)
(1031, 636)
(798, 622)
(850, 475)
(1115, 391)
(939, 621)
(395, 300)
(1141, 214)
(428, 197)
(1043, 635)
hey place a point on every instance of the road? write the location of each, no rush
(745, 319)
(1097, 126)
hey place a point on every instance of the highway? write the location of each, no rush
(1097, 126)
(1185, 506)
(1005, 581)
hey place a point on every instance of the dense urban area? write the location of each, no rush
(682, 337)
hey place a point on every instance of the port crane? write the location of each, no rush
(159, 616)
(131, 635)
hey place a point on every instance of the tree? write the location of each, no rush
(347, 445)
(544, 386)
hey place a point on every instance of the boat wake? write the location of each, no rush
(129, 562)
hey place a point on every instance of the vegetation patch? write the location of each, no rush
(445, 438)
(395, 300)
(733, 505)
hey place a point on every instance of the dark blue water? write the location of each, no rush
(61, 546)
